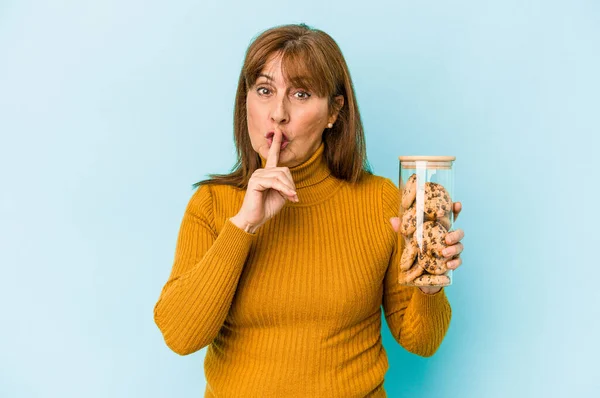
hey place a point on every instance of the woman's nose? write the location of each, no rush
(279, 112)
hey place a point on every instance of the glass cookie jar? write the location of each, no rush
(426, 216)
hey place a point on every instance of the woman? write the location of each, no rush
(282, 266)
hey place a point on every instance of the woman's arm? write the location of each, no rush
(195, 300)
(418, 321)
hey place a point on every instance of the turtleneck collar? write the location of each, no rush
(313, 179)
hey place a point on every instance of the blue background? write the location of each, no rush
(110, 110)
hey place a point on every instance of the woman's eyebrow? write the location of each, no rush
(265, 76)
(299, 80)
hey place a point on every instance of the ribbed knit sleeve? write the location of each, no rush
(418, 321)
(195, 300)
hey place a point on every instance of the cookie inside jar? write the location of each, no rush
(425, 219)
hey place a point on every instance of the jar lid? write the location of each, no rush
(427, 158)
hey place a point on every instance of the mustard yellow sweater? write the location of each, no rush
(294, 310)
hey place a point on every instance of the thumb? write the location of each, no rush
(395, 221)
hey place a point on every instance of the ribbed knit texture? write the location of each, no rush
(294, 310)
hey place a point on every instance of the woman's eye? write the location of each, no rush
(262, 90)
(303, 94)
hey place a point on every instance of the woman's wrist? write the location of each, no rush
(243, 225)
(430, 290)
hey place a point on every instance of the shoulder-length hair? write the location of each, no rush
(310, 59)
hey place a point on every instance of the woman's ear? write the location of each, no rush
(337, 107)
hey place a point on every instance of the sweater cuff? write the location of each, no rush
(238, 243)
(429, 304)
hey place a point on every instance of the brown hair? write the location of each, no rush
(311, 59)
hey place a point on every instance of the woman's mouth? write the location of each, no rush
(284, 139)
(284, 143)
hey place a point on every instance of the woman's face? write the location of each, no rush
(301, 116)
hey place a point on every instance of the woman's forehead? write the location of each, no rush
(279, 67)
(294, 68)
(287, 71)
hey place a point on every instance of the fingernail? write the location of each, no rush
(445, 252)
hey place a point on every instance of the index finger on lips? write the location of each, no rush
(273, 157)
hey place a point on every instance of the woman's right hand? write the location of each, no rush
(268, 189)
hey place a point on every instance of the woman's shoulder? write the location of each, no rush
(215, 202)
(206, 194)
(385, 188)
(379, 188)
(213, 188)
(373, 180)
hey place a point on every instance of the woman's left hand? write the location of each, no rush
(454, 248)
